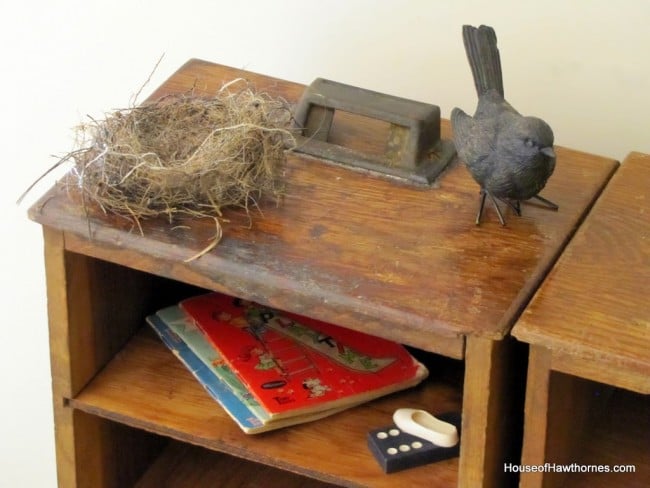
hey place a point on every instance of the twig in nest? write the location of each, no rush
(215, 240)
(134, 99)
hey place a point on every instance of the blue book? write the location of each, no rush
(185, 328)
(237, 410)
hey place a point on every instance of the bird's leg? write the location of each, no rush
(496, 206)
(485, 193)
(515, 205)
(480, 208)
(546, 202)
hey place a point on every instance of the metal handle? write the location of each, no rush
(413, 152)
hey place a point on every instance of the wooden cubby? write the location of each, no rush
(347, 247)
(140, 384)
(588, 387)
(590, 426)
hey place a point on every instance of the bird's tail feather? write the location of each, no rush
(483, 55)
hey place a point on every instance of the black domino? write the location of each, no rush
(396, 450)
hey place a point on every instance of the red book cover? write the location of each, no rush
(295, 365)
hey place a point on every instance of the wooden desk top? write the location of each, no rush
(595, 303)
(404, 263)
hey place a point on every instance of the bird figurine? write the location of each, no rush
(509, 155)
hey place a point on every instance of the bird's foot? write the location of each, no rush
(515, 205)
(485, 193)
(546, 202)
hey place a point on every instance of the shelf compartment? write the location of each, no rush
(146, 387)
(619, 434)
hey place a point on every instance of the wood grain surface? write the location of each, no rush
(353, 249)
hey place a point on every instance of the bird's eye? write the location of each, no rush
(529, 142)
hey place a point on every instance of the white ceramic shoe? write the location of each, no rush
(422, 424)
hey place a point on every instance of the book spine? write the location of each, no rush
(246, 419)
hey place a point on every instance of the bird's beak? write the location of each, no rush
(548, 151)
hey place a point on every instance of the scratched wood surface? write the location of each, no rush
(593, 311)
(404, 263)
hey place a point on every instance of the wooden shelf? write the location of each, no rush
(185, 466)
(146, 387)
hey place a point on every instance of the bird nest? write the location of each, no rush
(183, 155)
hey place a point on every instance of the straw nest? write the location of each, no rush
(183, 155)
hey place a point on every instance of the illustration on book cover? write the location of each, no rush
(293, 362)
(281, 348)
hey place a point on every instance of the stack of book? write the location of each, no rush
(271, 369)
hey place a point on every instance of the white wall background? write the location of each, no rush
(582, 65)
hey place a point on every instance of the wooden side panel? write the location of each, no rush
(560, 409)
(536, 415)
(60, 357)
(492, 401)
(93, 308)
(111, 455)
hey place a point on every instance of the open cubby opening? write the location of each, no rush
(145, 387)
(594, 429)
